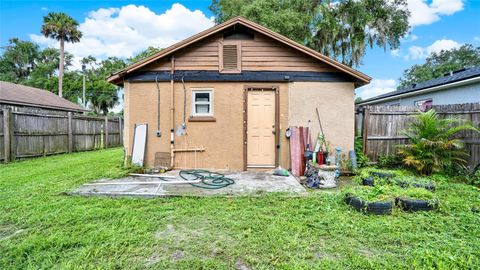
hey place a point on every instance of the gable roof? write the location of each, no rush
(117, 77)
(454, 77)
(18, 94)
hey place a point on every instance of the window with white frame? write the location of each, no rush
(202, 102)
(424, 104)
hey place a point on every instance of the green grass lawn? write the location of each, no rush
(42, 228)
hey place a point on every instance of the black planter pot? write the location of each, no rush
(382, 174)
(413, 205)
(375, 208)
(403, 184)
(428, 186)
(369, 181)
(357, 203)
(348, 199)
(380, 208)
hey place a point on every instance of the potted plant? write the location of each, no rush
(416, 182)
(372, 177)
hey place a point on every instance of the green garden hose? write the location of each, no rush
(210, 180)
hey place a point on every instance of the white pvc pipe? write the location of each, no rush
(153, 175)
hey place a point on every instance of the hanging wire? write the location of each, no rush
(184, 101)
(158, 106)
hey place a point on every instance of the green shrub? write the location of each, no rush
(390, 161)
(362, 159)
(372, 194)
(413, 180)
(389, 193)
(475, 178)
(415, 193)
(369, 172)
(432, 147)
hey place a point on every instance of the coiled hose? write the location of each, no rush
(210, 180)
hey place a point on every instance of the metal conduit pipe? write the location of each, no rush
(158, 132)
(172, 113)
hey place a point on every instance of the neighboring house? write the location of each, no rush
(461, 86)
(244, 85)
(21, 98)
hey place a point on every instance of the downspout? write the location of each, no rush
(172, 113)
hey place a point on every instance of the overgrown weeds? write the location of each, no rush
(267, 232)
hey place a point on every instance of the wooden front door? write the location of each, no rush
(261, 128)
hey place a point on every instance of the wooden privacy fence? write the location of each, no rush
(24, 135)
(381, 128)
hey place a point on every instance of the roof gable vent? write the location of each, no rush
(230, 58)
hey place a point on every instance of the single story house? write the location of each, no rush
(457, 87)
(21, 98)
(236, 87)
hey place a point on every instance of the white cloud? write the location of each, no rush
(395, 53)
(417, 52)
(442, 44)
(376, 87)
(447, 7)
(476, 40)
(44, 8)
(424, 13)
(409, 38)
(125, 31)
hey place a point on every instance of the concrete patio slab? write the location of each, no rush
(246, 184)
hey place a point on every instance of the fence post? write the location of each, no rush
(105, 141)
(70, 132)
(120, 130)
(366, 119)
(7, 134)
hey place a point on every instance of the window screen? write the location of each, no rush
(202, 101)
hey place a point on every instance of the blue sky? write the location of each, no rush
(435, 25)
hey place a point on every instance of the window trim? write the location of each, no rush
(193, 113)
(238, 43)
(415, 103)
(422, 107)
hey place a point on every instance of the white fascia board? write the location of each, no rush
(426, 90)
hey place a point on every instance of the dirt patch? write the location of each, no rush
(169, 231)
(9, 231)
(325, 256)
(240, 265)
(178, 255)
(152, 260)
(366, 252)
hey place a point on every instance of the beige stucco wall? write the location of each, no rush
(222, 139)
(335, 103)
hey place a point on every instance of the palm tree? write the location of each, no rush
(433, 145)
(63, 28)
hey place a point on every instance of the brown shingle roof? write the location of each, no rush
(30, 96)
